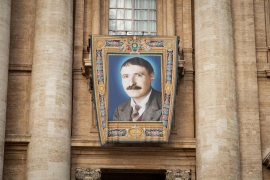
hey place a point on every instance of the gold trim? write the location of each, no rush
(133, 131)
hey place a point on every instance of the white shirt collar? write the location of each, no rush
(142, 104)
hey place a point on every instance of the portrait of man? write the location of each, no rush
(144, 103)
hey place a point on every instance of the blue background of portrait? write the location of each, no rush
(116, 92)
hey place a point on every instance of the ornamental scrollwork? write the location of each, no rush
(178, 174)
(88, 174)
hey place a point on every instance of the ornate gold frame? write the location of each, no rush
(125, 131)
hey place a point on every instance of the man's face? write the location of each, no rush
(136, 81)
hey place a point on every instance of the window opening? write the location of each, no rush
(132, 17)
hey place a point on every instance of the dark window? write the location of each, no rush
(116, 174)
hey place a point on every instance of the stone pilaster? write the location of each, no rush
(51, 92)
(164, 17)
(217, 153)
(247, 89)
(5, 6)
(170, 18)
(96, 17)
(160, 14)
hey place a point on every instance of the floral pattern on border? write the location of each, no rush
(156, 43)
(154, 132)
(114, 43)
(117, 132)
(100, 76)
(167, 97)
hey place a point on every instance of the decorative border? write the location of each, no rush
(157, 131)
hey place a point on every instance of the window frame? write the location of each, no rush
(148, 20)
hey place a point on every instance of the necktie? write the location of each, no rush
(135, 114)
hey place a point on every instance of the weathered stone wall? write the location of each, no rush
(15, 162)
(262, 32)
(184, 119)
(85, 143)
(180, 152)
(5, 6)
(247, 89)
(21, 53)
(20, 61)
(264, 102)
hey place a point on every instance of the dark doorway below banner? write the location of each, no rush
(134, 174)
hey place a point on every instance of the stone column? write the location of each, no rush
(170, 18)
(217, 153)
(247, 89)
(5, 6)
(96, 17)
(51, 92)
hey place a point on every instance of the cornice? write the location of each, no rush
(16, 142)
(187, 143)
(17, 138)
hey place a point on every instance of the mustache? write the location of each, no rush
(133, 87)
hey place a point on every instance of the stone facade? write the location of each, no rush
(222, 117)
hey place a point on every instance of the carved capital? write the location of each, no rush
(178, 174)
(88, 174)
(266, 161)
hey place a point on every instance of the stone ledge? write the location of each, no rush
(266, 161)
(181, 63)
(267, 73)
(263, 73)
(189, 143)
(17, 138)
(262, 49)
(20, 67)
(15, 143)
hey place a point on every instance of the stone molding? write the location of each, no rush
(263, 73)
(95, 174)
(181, 64)
(20, 67)
(84, 141)
(267, 73)
(262, 49)
(178, 174)
(88, 174)
(17, 138)
(266, 161)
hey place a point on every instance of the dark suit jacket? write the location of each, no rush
(153, 109)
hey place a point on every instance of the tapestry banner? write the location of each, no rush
(134, 82)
